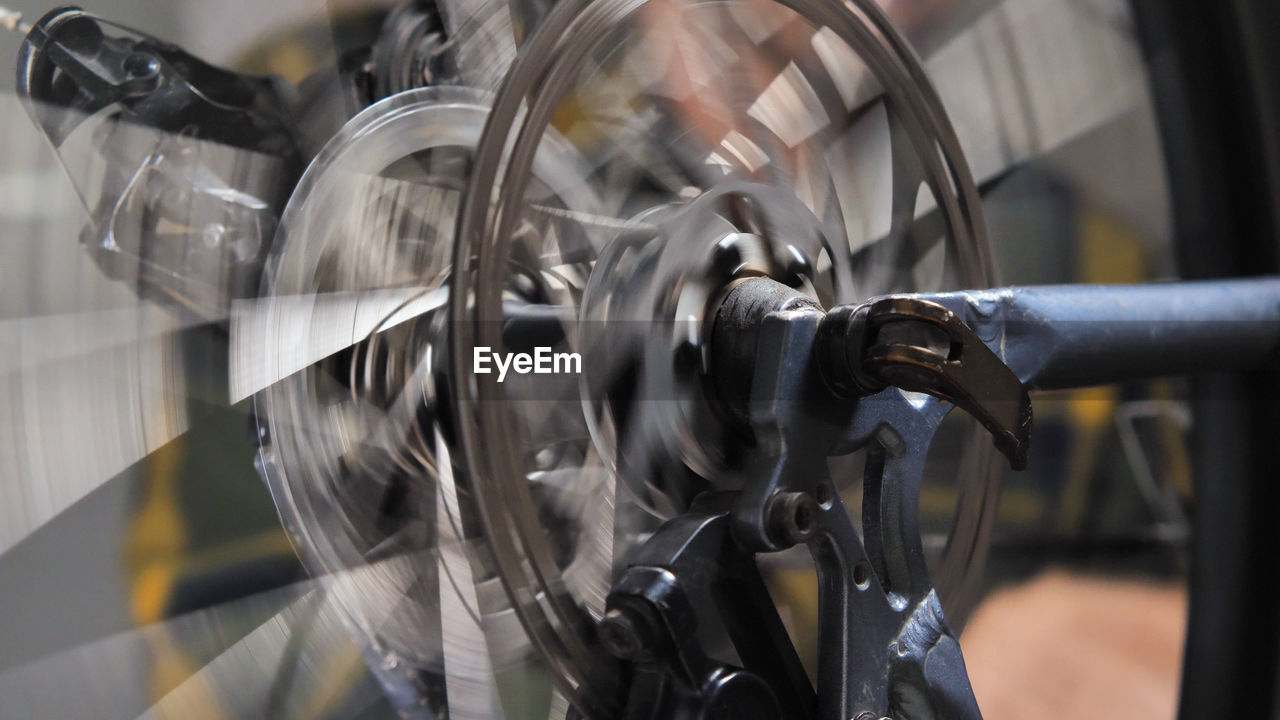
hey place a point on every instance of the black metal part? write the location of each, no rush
(793, 518)
(1212, 67)
(68, 61)
(199, 159)
(734, 337)
(411, 51)
(691, 590)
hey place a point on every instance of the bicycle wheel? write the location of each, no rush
(589, 177)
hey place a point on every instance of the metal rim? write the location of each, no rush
(548, 61)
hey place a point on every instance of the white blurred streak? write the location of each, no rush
(469, 678)
(863, 158)
(759, 20)
(239, 681)
(33, 342)
(855, 85)
(273, 338)
(311, 639)
(589, 575)
(790, 107)
(1031, 75)
(1024, 79)
(743, 150)
(485, 39)
(559, 706)
(91, 378)
(380, 600)
(110, 675)
(78, 410)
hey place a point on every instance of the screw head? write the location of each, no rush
(141, 65)
(793, 518)
(728, 254)
(628, 634)
(738, 695)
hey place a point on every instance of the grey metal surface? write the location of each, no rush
(875, 593)
(1076, 336)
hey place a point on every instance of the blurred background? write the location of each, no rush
(143, 567)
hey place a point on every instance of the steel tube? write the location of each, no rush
(1067, 336)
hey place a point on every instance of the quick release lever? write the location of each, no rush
(898, 341)
(921, 346)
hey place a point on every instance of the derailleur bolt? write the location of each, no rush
(793, 518)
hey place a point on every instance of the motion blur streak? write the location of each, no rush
(120, 400)
(305, 329)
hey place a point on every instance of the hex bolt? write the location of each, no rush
(798, 267)
(629, 634)
(792, 518)
(727, 256)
